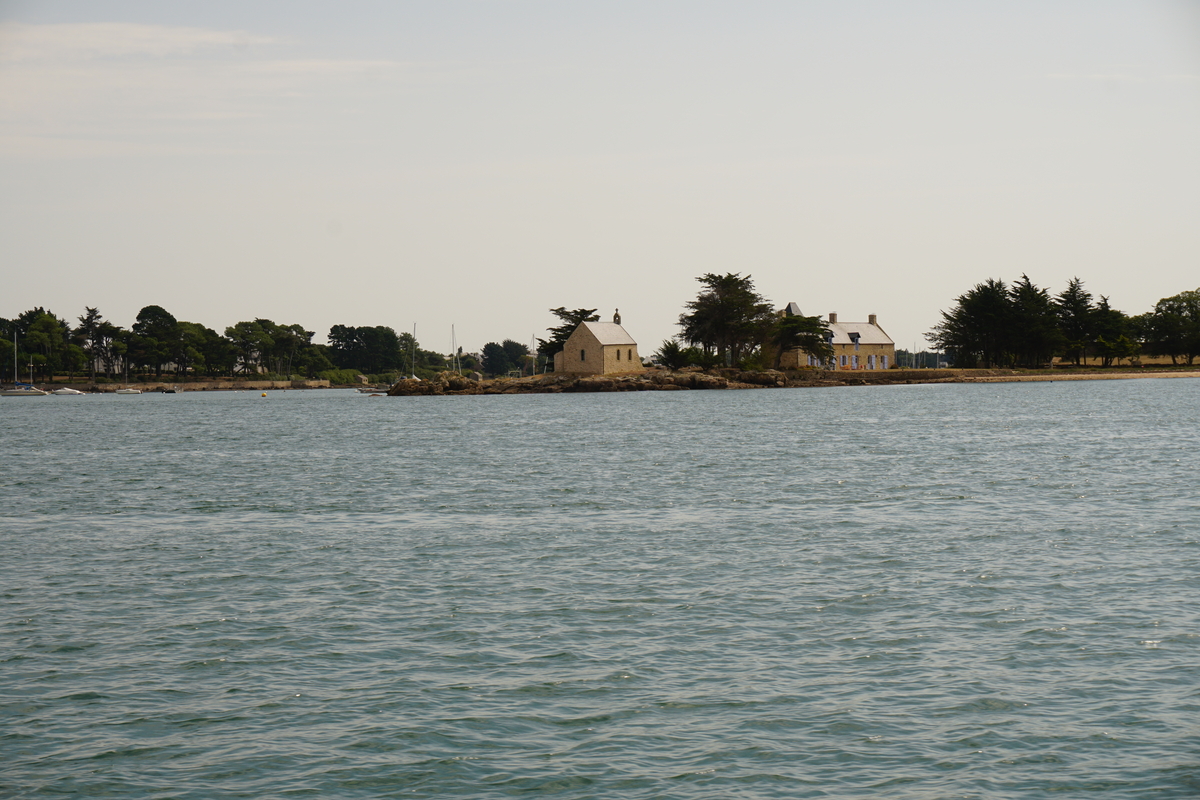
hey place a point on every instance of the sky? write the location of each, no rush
(463, 166)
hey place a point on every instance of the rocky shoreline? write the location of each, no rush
(658, 380)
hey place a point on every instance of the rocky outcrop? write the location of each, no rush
(689, 380)
(443, 383)
(660, 380)
(451, 384)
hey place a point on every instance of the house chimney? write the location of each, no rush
(833, 319)
(617, 316)
(871, 319)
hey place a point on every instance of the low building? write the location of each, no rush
(598, 348)
(856, 345)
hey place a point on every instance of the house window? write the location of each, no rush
(883, 359)
(843, 361)
(618, 354)
(630, 354)
(870, 362)
(583, 355)
(855, 364)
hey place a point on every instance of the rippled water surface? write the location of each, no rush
(955, 591)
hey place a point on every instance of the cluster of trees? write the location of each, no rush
(505, 357)
(730, 323)
(999, 325)
(1173, 327)
(510, 356)
(379, 350)
(158, 343)
(568, 321)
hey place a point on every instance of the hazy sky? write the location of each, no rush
(477, 163)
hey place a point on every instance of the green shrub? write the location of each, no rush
(671, 355)
(699, 358)
(339, 376)
(755, 362)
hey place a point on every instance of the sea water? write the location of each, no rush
(941, 591)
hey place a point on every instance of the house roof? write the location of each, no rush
(608, 332)
(867, 333)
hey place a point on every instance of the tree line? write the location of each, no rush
(1022, 325)
(159, 344)
(728, 323)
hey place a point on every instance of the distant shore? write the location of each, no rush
(664, 380)
(153, 387)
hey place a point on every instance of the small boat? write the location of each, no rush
(128, 390)
(66, 390)
(23, 390)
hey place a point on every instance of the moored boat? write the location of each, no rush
(66, 390)
(22, 390)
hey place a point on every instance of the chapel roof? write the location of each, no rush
(608, 332)
(867, 333)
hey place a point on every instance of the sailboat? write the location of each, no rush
(127, 389)
(21, 389)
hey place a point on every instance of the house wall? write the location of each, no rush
(795, 359)
(863, 351)
(581, 342)
(598, 359)
(622, 362)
